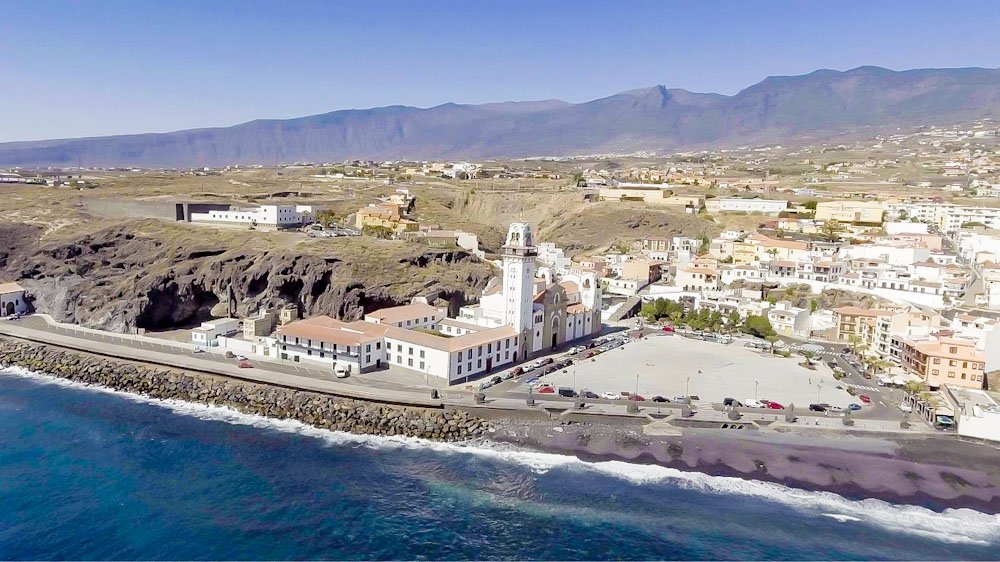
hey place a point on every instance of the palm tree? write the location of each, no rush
(808, 355)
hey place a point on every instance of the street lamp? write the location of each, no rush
(819, 389)
(687, 391)
(756, 383)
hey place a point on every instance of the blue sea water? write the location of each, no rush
(89, 474)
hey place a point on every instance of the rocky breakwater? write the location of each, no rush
(319, 410)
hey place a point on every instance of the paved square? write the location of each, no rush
(666, 363)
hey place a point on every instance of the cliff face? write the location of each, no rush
(119, 280)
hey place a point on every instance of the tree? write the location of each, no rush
(772, 339)
(758, 326)
(733, 322)
(831, 230)
(813, 305)
(810, 204)
(377, 231)
(808, 356)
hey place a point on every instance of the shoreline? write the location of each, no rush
(897, 470)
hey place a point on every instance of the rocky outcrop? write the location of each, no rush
(119, 280)
(319, 410)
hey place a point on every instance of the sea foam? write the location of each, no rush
(951, 525)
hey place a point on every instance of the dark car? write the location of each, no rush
(732, 403)
(545, 361)
(517, 371)
(589, 395)
(817, 407)
(496, 380)
(660, 399)
(567, 392)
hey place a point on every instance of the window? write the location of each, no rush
(421, 365)
(460, 369)
(409, 362)
(951, 374)
(421, 354)
(410, 350)
(479, 364)
(378, 345)
(368, 348)
(963, 376)
(937, 361)
(934, 371)
(399, 348)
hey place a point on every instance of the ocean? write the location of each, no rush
(95, 474)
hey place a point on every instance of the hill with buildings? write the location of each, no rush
(777, 109)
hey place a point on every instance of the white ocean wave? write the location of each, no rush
(951, 525)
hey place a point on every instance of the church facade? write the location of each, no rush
(545, 310)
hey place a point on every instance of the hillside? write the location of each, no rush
(657, 119)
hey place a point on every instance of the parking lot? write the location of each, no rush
(672, 365)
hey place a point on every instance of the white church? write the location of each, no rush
(544, 310)
(525, 311)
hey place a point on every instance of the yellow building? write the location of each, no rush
(386, 215)
(867, 212)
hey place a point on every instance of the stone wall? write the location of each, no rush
(319, 410)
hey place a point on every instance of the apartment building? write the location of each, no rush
(941, 360)
(701, 274)
(267, 216)
(855, 212)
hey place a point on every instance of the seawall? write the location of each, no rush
(319, 410)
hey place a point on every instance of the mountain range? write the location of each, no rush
(777, 109)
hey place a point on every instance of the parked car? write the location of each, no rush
(682, 399)
(775, 406)
(198, 350)
(531, 381)
(668, 329)
(245, 365)
(546, 390)
(507, 376)
(752, 403)
(865, 398)
(545, 361)
(496, 380)
(817, 408)
(589, 395)
(611, 396)
(636, 398)
(230, 355)
(836, 409)
(905, 408)
(567, 392)
(241, 358)
(660, 399)
(541, 385)
(517, 371)
(854, 407)
(732, 402)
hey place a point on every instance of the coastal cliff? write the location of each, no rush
(319, 410)
(120, 278)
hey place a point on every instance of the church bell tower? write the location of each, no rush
(519, 254)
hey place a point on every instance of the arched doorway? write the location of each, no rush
(555, 330)
(10, 309)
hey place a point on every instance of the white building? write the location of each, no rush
(12, 299)
(207, 334)
(267, 216)
(736, 205)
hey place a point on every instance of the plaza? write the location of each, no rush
(674, 366)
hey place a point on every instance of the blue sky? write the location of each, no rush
(82, 68)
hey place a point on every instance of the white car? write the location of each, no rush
(539, 385)
(751, 403)
(197, 350)
(611, 396)
(905, 408)
(241, 358)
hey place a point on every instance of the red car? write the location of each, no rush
(245, 365)
(775, 406)
(668, 329)
(636, 398)
(865, 398)
(546, 390)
